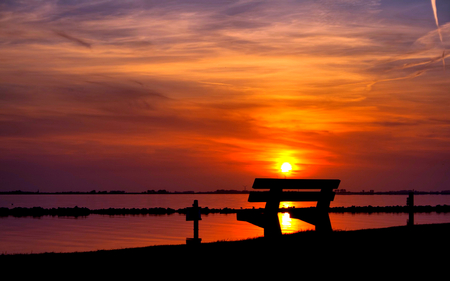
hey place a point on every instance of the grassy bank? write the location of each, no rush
(401, 246)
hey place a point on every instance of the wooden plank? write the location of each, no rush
(267, 220)
(255, 217)
(303, 196)
(270, 183)
(313, 216)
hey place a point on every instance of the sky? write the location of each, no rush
(205, 95)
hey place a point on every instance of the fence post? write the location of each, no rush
(193, 214)
(410, 205)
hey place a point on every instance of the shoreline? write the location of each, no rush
(394, 251)
(83, 211)
(419, 233)
(218, 192)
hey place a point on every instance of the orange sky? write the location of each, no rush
(206, 95)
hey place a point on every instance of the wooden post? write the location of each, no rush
(195, 210)
(193, 214)
(410, 205)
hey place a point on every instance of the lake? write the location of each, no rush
(95, 232)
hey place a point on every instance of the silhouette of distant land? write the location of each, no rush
(227, 191)
(82, 211)
(160, 191)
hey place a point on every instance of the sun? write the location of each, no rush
(286, 167)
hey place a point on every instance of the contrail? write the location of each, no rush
(443, 58)
(73, 39)
(427, 62)
(413, 75)
(433, 4)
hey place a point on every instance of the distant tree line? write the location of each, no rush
(228, 191)
(160, 191)
(397, 192)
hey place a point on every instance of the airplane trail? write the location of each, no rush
(443, 58)
(427, 62)
(413, 75)
(73, 39)
(433, 5)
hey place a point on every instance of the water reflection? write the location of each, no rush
(53, 234)
(285, 220)
(94, 232)
(297, 204)
(289, 225)
(235, 201)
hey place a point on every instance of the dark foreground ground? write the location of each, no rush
(420, 252)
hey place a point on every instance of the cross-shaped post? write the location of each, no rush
(193, 214)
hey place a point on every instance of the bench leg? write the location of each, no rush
(323, 223)
(272, 227)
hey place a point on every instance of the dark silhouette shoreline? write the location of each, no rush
(82, 211)
(402, 250)
(219, 191)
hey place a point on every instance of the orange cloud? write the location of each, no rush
(210, 95)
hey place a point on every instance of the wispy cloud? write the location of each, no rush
(73, 39)
(167, 87)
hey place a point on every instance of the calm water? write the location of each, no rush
(94, 232)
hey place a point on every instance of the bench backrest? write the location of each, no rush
(324, 193)
(268, 183)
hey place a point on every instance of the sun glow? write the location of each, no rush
(286, 167)
(286, 220)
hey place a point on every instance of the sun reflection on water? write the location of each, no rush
(289, 225)
(286, 220)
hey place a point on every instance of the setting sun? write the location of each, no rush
(286, 167)
(213, 94)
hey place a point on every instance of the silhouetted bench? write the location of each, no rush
(316, 190)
